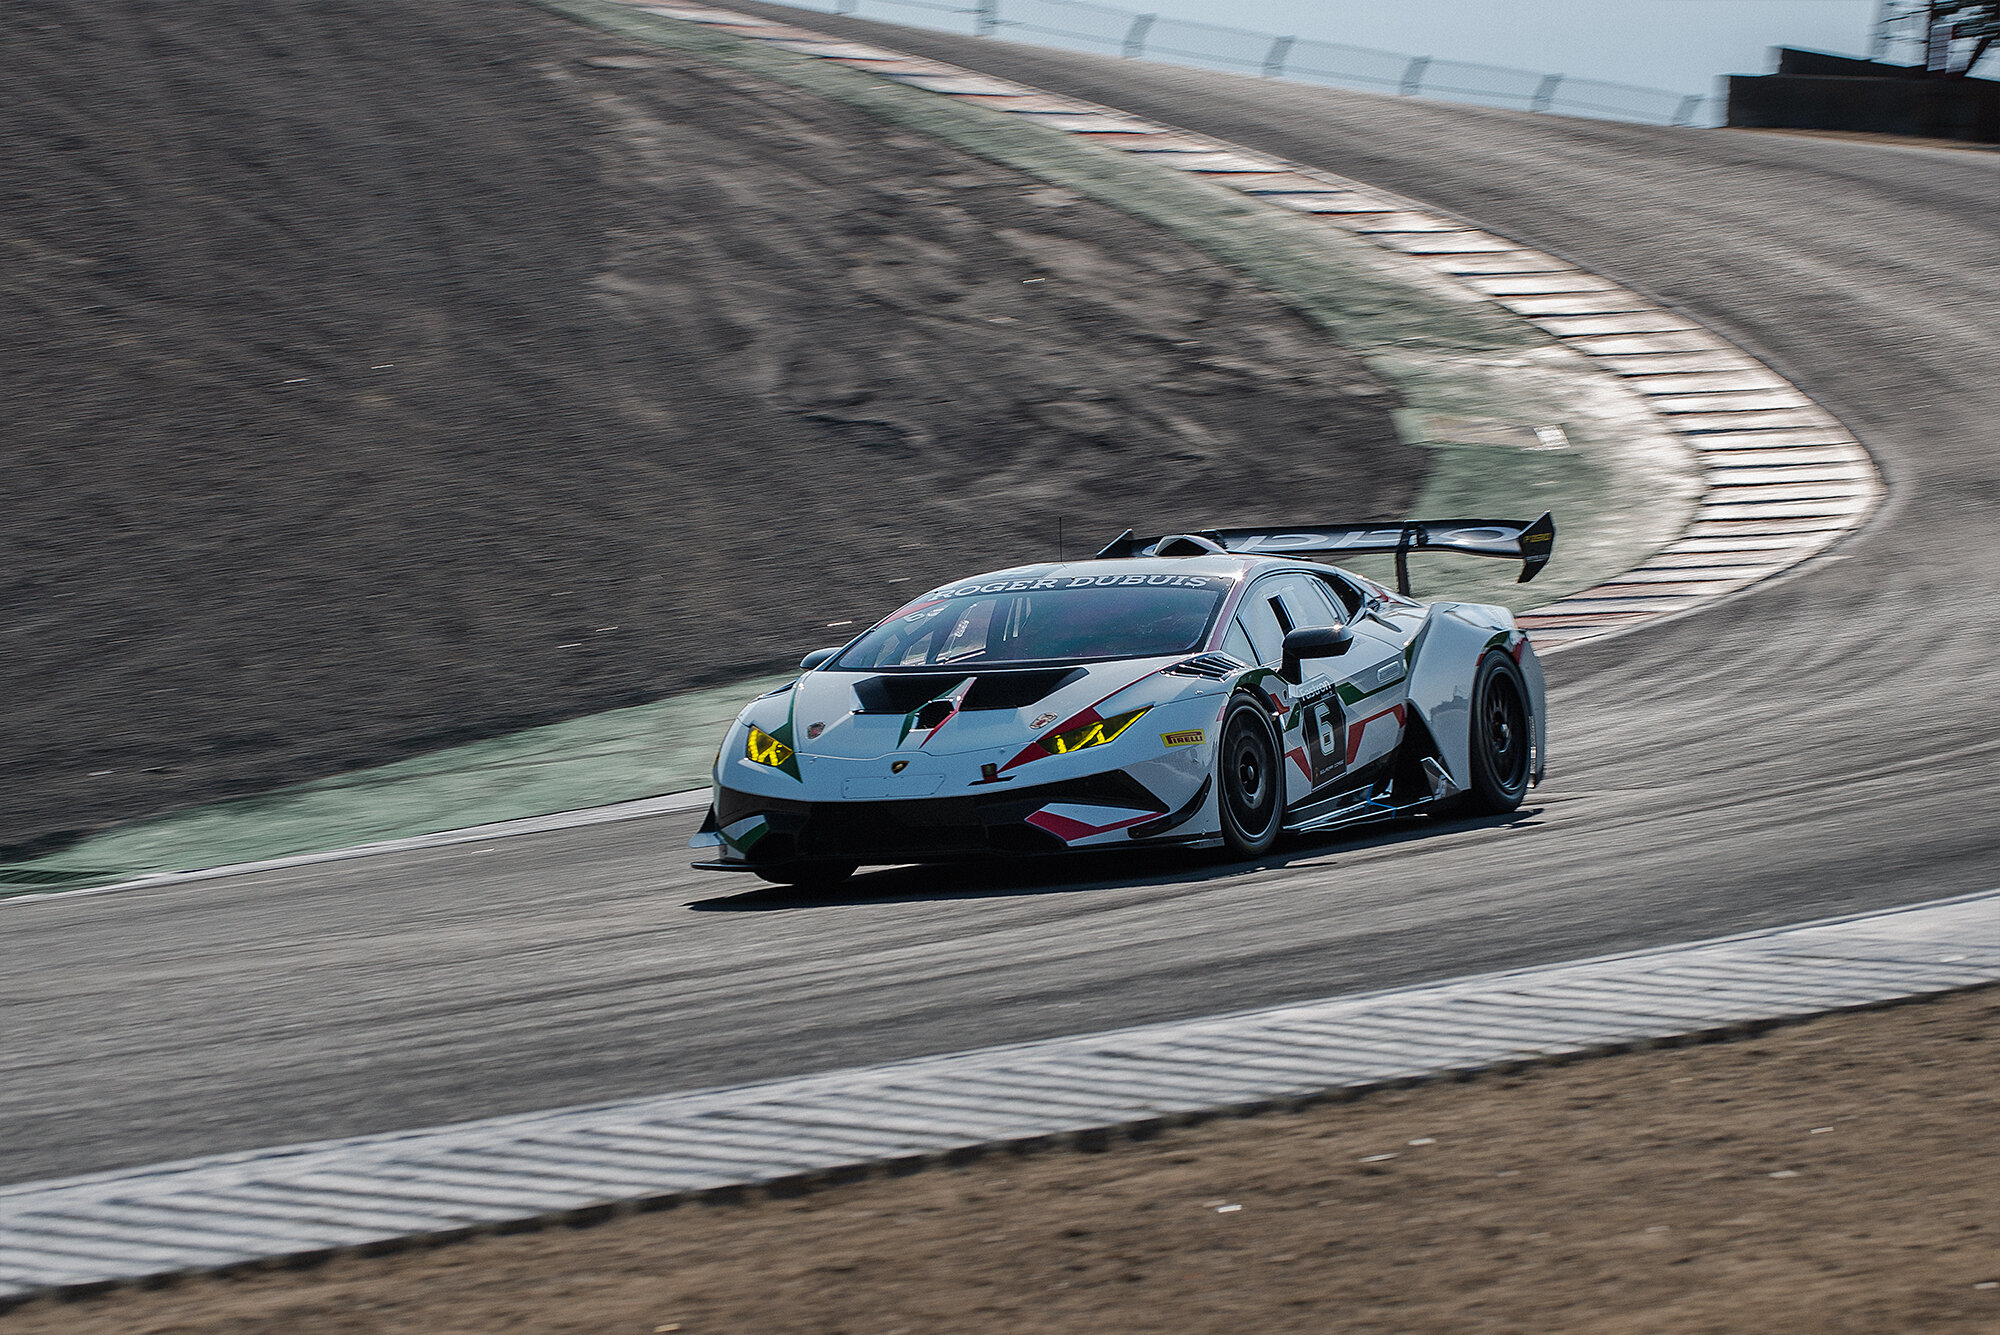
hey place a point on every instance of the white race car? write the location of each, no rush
(1209, 690)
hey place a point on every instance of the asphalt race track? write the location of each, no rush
(1826, 743)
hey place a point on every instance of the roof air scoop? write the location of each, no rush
(1187, 544)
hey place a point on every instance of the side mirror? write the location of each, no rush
(1313, 642)
(816, 657)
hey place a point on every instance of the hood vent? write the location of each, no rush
(933, 714)
(901, 692)
(1214, 667)
(1018, 690)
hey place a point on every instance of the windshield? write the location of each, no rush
(1034, 621)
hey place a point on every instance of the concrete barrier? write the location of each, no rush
(1813, 91)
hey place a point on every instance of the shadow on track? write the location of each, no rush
(1066, 873)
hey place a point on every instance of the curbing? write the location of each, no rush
(303, 1203)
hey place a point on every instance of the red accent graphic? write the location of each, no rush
(907, 609)
(1034, 751)
(1069, 831)
(1354, 730)
(1298, 753)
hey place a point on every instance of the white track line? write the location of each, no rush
(692, 799)
(305, 1200)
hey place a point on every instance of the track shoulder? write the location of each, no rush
(380, 1191)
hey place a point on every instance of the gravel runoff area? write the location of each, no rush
(1834, 1176)
(385, 376)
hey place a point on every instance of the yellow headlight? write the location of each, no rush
(1090, 734)
(764, 749)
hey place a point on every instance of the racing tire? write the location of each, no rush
(810, 877)
(1249, 778)
(1502, 738)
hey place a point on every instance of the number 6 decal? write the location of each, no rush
(1324, 749)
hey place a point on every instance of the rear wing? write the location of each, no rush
(1531, 543)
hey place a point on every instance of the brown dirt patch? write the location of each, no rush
(385, 375)
(1840, 1176)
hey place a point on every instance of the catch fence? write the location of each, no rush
(1085, 26)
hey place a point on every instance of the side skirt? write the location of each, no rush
(1373, 803)
(1402, 784)
(1344, 793)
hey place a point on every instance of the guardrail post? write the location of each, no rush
(1413, 76)
(1135, 36)
(1274, 59)
(1684, 114)
(1545, 93)
(985, 17)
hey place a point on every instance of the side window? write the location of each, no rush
(1306, 601)
(1237, 644)
(1371, 591)
(1260, 622)
(1348, 597)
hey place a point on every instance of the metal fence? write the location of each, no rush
(1085, 26)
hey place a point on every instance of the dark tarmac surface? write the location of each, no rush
(1824, 744)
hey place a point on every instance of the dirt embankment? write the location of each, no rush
(1837, 1177)
(387, 375)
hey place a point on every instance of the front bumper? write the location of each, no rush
(752, 830)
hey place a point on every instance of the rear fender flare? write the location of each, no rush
(1447, 652)
(1538, 690)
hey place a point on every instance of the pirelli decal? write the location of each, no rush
(1190, 737)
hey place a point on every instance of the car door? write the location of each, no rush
(1257, 635)
(1324, 737)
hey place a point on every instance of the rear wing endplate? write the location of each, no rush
(1529, 543)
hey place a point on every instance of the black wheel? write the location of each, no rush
(1502, 737)
(808, 876)
(1249, 782)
